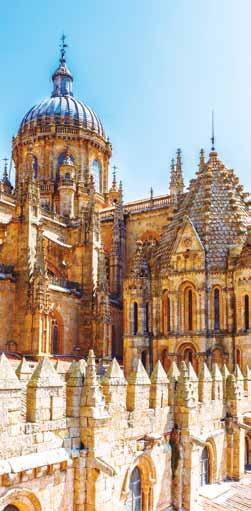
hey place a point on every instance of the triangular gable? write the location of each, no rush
(187, 239)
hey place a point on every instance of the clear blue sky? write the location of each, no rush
(151, 69)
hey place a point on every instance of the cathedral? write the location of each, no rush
(125, 328)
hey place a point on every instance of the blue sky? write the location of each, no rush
(152, 70)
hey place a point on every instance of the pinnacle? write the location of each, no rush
(225, 372)
(139, 375)
(45, 375)
(23, 368)
(91, 375)
(173, 373)
(191, 373)
(247, 372)
(8, 378)
(114, 374)
(92, 399)
(238, 374)
(76, 372)
(216, 373)
(205, 374)
(159, 374)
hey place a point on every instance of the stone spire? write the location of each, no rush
(102, 274)
(176, 179)
(40, 265)
(6, 182)
(92, 399)
(118, 245)
(114, 187)
(114, 385)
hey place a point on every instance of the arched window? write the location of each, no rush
(204, 467)
(96, 172)
(147, 317)
(135, 318)
(144, 358)
(35, 167)
(190, 309)
(188, 355)
(238, 357)
(165, 359)
(247, 454)
(134, 501)
(10, 508)
(246, 312)
(216, 309)
(166, 314)
(54, 336)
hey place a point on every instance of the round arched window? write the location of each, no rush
(96, 172)
(133, 502)
(204, 467)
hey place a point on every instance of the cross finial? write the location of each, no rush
(212, 137)
(63, 46)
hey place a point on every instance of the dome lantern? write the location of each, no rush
(62, 78)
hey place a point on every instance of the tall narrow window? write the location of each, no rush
(96, 172)
(246, 312)
(54, 337)
(204, 467)
(190, 309)
(35, 167)
(166, 313)
(147, 317)
(188, 355)
(133, 502)
(216, 309)
(135, 318)
(238, 357)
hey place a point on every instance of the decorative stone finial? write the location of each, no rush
(45, 375)
(92, 399)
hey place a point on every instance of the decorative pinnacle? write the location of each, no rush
(202, 158)
(63, 46)
(151, 193)
(212, 137)
(114, 176)
(5, 172)
(178, 154)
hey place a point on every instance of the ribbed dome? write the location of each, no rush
(62, 106)
(73, 112)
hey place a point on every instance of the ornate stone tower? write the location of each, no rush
(61, 156)
(69, 148)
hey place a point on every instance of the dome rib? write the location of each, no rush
(67, 107)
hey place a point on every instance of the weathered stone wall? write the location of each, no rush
(71, 442)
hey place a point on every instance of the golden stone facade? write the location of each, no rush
(125, 383)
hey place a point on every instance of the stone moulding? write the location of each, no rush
(23, 468)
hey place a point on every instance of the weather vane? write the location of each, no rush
(63, 46)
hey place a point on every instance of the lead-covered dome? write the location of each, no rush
(62, 107)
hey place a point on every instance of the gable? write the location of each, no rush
(187, 239)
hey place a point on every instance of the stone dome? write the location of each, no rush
(62, 106)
